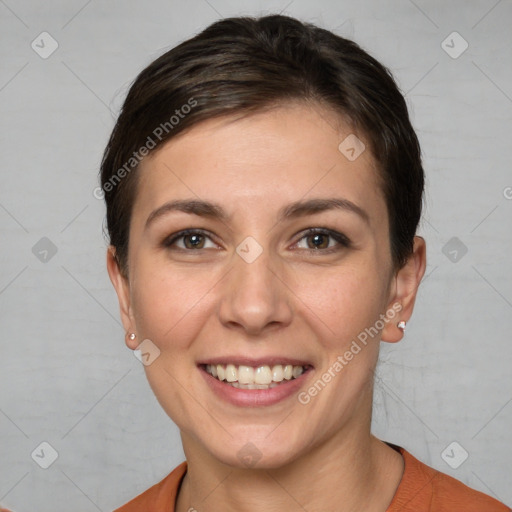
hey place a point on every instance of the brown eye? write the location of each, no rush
(189, 240)
(318, 241)
(194, 241)
(323, 240)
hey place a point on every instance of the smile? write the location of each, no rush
(249, 377)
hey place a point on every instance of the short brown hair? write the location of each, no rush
(248, 64)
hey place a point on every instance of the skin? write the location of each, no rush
(293, 300)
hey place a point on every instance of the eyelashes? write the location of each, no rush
(190, 240)
(320, 235)
(195, 236)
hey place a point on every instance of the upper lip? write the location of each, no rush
(238, 360)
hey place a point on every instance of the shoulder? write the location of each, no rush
(159, 498)
(424, 489)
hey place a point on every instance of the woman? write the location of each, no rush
(263, 187)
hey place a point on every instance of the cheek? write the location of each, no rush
(344, 300)
(168, 303)
(170, 309)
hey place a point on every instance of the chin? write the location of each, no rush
(260, 453)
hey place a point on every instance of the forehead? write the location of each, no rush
(263, 159)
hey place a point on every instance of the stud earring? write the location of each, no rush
(401, 325)
(132, 336)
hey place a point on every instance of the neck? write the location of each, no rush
(351, 472)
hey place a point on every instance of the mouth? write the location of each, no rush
(263, 376)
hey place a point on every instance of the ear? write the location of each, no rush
(122, 287)
(404, 289)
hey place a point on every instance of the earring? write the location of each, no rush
(132, 336)
(401, 325)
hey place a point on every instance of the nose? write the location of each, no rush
(256, 297)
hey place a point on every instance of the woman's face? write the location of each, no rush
(286, 261)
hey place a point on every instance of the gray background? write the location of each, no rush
(66, 377)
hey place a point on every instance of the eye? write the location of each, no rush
(190, 239)
(322, 240)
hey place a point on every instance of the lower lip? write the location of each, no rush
(254, 397)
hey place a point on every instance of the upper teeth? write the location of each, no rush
(259, 375)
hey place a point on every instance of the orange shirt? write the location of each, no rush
(421, 489)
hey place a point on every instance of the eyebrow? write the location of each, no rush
(292, 211)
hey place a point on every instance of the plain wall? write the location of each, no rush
(66, 376)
